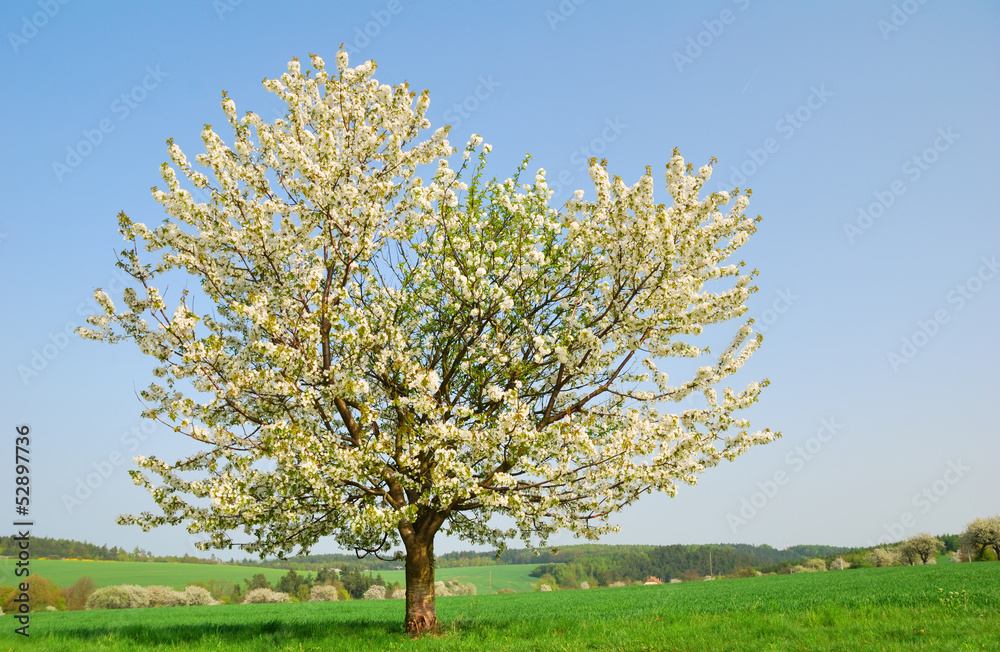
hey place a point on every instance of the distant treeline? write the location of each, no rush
(607, 564)
(320, 562)
(604, 563)
(69, 549)
(371, 562)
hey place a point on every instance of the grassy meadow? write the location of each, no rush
(944, 607)
(512, 576)
(178, 575)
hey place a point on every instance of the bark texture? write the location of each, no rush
(418, 539)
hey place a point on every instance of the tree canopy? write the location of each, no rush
(398, 345)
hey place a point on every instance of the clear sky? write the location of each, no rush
(868, 131)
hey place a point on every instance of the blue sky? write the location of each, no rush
(868, 132)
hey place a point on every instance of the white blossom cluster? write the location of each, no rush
(418, 353)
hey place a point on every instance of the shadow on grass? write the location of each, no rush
(276, 630)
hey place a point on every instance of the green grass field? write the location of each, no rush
(866, 609)
(107, 573)
(513, 576)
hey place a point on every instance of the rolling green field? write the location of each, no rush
(945, 607)
(177, 575)
(513, 576)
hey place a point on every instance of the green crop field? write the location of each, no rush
(106, 573)
(945, 607)
(512, 576)
(177, 575)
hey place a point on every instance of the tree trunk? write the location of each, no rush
(421, 616)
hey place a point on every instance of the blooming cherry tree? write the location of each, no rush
(398, 347)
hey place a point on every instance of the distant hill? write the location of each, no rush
(70, 549)
(629, 561)
(608, 564)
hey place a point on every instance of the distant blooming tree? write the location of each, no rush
(921, 548)
(881, 557)
(412, 348)
(983, 534)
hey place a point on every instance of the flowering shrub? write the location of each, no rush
(198, 596)
(323, 593)
(138, 597)
(375, 592)
(108, 597)
(127, 596)
(164, 596)
(265, 596)
(399, 594)
(453, 587)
